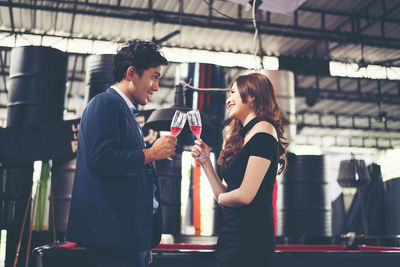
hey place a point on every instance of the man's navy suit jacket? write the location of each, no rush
(112, 198)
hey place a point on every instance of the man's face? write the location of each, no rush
(142, 87)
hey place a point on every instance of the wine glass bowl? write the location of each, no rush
(177, 123)
(194, 119)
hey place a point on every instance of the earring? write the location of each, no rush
(251, 103)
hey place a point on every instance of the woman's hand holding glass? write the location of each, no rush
(201, 151)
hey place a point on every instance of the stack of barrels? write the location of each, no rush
(304, 208)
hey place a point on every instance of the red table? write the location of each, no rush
(194, 255)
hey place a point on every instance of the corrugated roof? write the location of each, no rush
(299, 34)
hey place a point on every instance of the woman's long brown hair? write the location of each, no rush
(266, 108)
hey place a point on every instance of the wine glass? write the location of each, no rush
(195, 122)
(177, 123)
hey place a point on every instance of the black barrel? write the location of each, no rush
(304, 208)
(37, 85)
(15, 185)
(37, 92)
(98, 75)
(392, 206)
(63, 173)
(14, 190)
(169, 176)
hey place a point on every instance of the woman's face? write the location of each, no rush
(237, 109)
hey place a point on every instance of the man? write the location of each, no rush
(115, 194)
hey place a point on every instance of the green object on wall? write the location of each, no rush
(41, 223)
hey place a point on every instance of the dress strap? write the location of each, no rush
(248, 126)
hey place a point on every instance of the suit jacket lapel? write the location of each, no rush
(130, 118)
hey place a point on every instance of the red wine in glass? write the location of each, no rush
(196, 130)
(175, 130)
(177, 123)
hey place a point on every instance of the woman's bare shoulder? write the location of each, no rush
(266, 127)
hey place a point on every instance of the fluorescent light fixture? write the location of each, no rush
(393, 73)
(227, 59)
(371, 71)
(353, 70)
(72, 45)
(377, 72)
(337, 68)
(271, 63)
(185, 55)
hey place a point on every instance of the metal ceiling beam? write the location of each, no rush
(34, 4)
(10, 10)
(351, 141)
(385, 13)
(265, 27)
(315, 92)
(56, 17)
(239, 13)
(353, 116)
(3, 65)
(372, 21)
(355, 21)
(210, 8)
(301, 119)
(359, 15)
(302, 125)
(71, 31)
(333, 94)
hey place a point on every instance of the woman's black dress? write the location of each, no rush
(246, 237)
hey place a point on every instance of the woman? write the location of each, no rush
(249, 163)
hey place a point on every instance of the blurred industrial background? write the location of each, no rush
(335, 66)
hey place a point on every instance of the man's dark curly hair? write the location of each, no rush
(140, 54)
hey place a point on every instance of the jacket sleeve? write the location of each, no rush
(106, 154)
